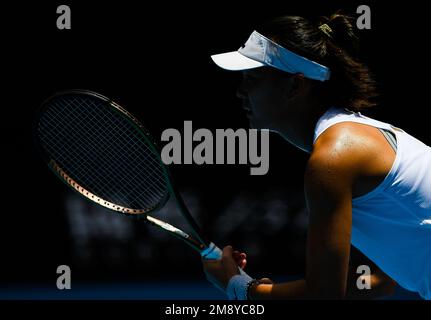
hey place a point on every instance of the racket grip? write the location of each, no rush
(212, 252)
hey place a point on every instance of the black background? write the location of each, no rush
(154, 60)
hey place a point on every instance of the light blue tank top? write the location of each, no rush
(391, 225)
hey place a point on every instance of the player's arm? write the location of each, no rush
(334, 167)
(381, 284)
(328, 190)
(339, 160)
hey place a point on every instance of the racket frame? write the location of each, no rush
(198, 242)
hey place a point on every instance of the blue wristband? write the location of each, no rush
(238, 286)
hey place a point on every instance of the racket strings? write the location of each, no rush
(103, 151)
(98, 151)
(113, 141)
(93, 143)
(88, 160)
(102, 177)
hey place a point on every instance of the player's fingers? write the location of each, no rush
(243, 264)
(240, 262)
(240, 258)
(239, 255)
(227, 252)
(229, 263)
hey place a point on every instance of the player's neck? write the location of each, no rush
(299, 128)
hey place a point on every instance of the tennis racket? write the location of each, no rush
(105, 154)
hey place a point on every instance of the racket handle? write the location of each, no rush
(212, 252)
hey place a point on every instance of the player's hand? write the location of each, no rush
(240, 258)
(220, 271)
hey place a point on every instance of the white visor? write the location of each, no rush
(260, 51)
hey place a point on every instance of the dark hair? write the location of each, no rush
(351, 83)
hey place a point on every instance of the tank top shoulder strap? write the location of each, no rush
(336, 115)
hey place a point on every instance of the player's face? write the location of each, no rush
(263, 92)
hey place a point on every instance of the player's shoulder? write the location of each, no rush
(345, 148)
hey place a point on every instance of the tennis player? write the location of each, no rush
(367, 183)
